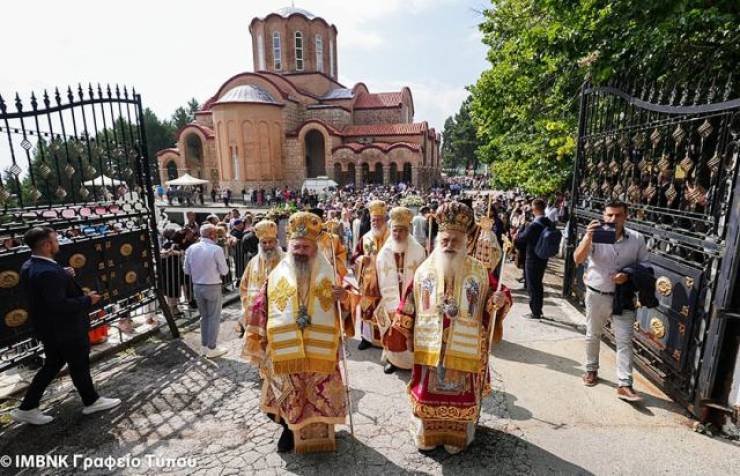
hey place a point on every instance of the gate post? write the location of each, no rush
(570, 268)
(146, 171)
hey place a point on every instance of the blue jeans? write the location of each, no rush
(208, 297)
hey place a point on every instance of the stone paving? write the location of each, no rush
(177, 404)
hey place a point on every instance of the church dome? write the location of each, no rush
(247, 93)
(293, 40)
(285, 12)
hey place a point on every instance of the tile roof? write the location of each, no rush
(378, 100)
(174, 150)
(207, 131)
(383, 129)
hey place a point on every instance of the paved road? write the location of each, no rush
(540, 420)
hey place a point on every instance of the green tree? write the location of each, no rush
(459, 140)
(160, 134)
(184, 115)
(525, 106)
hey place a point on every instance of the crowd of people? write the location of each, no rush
(418, 272)
(285, 196)
(510, 212)
(370, 245)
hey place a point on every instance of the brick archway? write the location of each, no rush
(315, 128)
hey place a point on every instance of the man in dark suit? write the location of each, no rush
(59, 312)
(534, 266)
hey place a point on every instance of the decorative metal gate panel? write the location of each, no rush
(77, 163)
(673, 158)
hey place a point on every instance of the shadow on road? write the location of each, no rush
(166, 389)
(496, 451)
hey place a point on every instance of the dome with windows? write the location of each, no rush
(247, 93)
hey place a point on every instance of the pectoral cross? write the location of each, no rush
(304, 320)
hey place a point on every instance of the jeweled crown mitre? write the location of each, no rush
(304, 225)
(454, 216)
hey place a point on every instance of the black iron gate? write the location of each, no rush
(672, 155)
(77, 162)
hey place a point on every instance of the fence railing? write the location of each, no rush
(178, 287)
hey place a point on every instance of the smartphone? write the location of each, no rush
(606, 233)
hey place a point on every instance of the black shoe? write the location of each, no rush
(364, 344)
(285, 443)
(389, 368)
(532, 317)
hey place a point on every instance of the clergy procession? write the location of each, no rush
(434, 311)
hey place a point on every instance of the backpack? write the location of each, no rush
(548, 244)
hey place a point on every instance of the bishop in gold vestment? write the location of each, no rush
(255, 274)
(396, 263)
(453, 301)
(294, 337)
(364, 260)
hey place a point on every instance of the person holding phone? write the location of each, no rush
(59, 310)
(607, 248)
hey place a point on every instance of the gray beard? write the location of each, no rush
(302, 268)
(378, 232)
(268, 255)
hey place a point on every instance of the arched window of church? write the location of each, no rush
(319, 54)
(276, 51)
(261, 52)
(331, 58)
(171, 170)
(299, 51)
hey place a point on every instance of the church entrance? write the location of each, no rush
(171, 170)
(194, 155)
(315, 158)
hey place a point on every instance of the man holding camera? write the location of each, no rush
(608, 248)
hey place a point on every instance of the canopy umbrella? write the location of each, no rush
(103, 180)
(186, 179)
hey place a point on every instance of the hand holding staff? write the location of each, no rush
(344, 346)
(491, 325)
(429, 233)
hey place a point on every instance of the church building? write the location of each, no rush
(291, 119)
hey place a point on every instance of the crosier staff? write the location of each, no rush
(491, 325)
(344, 346)
(429, 233)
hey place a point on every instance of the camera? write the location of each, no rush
(606, 233)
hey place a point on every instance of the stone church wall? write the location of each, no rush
(378, 116)
(335, 117)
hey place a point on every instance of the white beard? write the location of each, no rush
(399, 246)
(378, 232)
(451, 264)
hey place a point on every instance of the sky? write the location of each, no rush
(171, 51)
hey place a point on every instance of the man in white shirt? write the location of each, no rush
(205, 263)
(603, 274)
